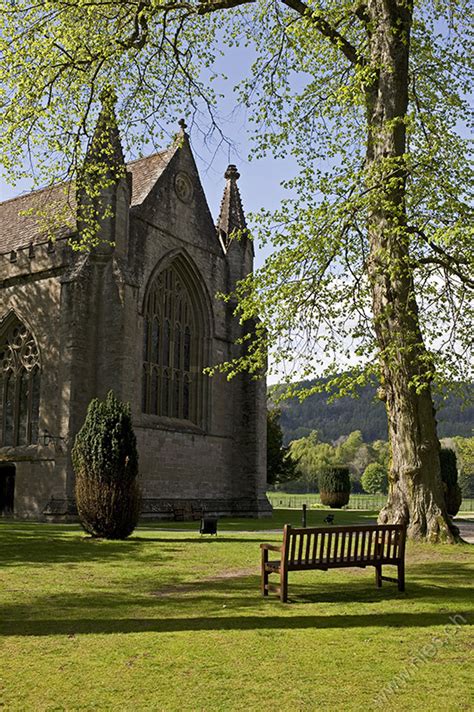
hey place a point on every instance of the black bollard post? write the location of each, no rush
(303, 517)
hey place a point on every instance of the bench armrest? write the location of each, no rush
(270, 547)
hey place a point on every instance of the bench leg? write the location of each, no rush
(401, 576)
(283, 585)
(264, 577)
(378, 575)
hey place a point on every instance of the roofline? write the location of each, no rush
(69, 182)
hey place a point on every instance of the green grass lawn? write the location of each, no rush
(171, 621)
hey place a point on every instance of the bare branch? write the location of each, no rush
(444, 259)
(316, 18)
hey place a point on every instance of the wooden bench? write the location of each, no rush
(326, 548)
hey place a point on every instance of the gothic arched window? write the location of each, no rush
(173, 347)
(19, 386)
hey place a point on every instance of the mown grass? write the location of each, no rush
(169, 620)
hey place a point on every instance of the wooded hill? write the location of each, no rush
(367, 414)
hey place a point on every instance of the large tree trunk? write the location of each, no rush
(415, 490)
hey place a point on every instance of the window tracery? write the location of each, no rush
(173, 348)
(19, 386)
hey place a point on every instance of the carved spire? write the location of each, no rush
(231, 218)
(102, 193)
(105, 151)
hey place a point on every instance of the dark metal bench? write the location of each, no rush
(326, 548)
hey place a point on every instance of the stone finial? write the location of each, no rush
(232, 173)
(182, 124)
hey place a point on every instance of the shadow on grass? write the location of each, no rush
(78, 549)
(90, 626)
(24, 544)
(183, 605)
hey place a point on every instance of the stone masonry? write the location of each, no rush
(86, 313)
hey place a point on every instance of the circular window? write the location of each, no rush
(183, 187)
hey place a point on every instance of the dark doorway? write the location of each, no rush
(7, 490)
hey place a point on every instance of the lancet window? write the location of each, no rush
(173, 348)
(19, 386)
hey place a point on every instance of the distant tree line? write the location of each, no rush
(296, 467)
(313, 455)
(366, 414)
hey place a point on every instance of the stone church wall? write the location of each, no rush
(30, 286)
(86, 312)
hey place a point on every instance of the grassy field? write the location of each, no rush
(171, 621)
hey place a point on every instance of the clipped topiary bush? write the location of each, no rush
(449, 476)
(334, 486)
(375, 480)
(106, 465)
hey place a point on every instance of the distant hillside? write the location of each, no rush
(365, 413)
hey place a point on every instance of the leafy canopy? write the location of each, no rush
(305, 98)
(374, 479)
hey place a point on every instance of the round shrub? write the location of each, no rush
(375, 480)
(334, 486)
(106, 466)
(449, 476)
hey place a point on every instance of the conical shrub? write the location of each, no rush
(106, 466)
(334, 487)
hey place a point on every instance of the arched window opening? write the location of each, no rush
(19, 387)
(173, 348)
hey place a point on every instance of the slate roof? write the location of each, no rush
(17, 231)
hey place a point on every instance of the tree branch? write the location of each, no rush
(449, 266)
(444, 259)
(326, 29)
(315, 17)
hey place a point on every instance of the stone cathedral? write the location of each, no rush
(137, 314)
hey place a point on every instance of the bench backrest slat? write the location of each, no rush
(370, 545)
(300, 549)
(324, 545)
(380, 541)
(315, 547)
(308, 546)
(292, 550)
(355, 552)
(343, 546)
(321, 546)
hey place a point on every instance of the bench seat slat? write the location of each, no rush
(332, 563)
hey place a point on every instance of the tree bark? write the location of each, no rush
(415, 491)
